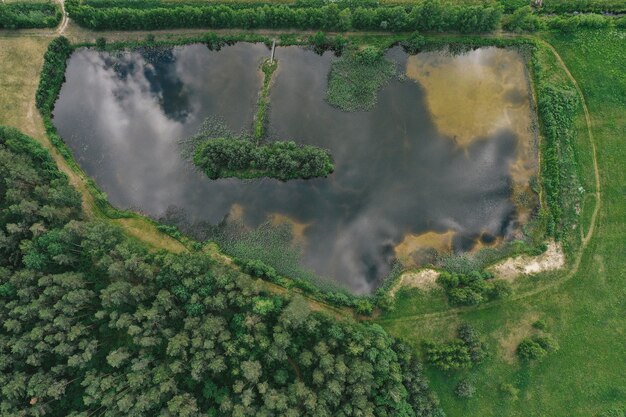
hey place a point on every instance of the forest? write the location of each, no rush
(94, 322)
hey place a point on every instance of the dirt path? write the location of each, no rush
(585, 240)
(64, 20)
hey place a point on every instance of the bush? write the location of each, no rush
(465, 389)
(509, 390)
(414, 43)
(523, 20)
(464, 352)
(101, 44)
(536, 348)
(473, 288)
(529, 350)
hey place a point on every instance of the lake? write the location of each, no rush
(440, 164)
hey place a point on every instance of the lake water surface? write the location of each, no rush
(412, 175)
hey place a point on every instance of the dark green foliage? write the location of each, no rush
(355, 79)
(92, 321)
(25, 14)
(34, 196)
(473, 288)
(242, 158)
(101, 44)
(340, 16)
(52, 73)
(321, 43)
(536, 347)
(464, 352)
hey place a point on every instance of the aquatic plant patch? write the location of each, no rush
(355, 79)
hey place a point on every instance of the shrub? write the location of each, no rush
(465, 389)
(473, 288)
(448, 356)
(523, 20)
(529, 350)
(464, 352)
(509, 390)
(414, 43)
(101, 43)
(536, 347)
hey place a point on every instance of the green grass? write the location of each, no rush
(586, 313)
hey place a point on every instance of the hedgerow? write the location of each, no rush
(430, 15)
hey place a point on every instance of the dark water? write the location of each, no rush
(395, 174)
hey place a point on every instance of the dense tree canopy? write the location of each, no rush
(94, 324)
(243, 158)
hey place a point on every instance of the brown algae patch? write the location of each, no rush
(475, 95)
(416, 249)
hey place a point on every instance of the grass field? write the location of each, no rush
(587, 313)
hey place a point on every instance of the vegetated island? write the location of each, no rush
(221, 154)
(355, 79)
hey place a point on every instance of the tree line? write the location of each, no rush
(94, 323)
(29, 15)
(432, 15)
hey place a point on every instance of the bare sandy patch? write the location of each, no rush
(424, 279)
(553, 258)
